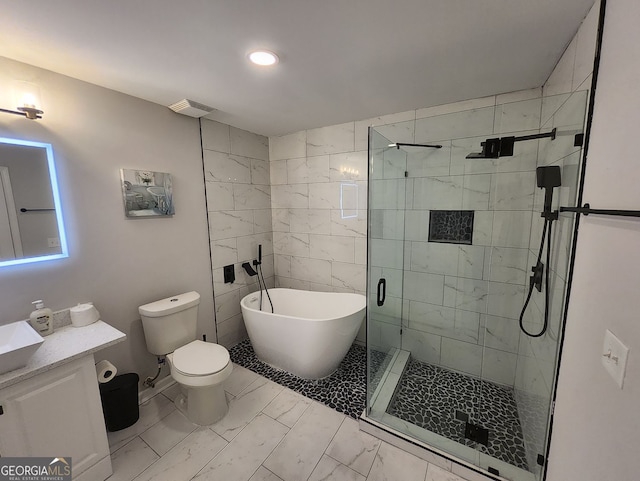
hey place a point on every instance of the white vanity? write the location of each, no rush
(51, 407)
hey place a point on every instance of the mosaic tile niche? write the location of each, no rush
(453, 226)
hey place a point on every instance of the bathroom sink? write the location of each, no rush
(18, 342)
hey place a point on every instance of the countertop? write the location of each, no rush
(65, 345)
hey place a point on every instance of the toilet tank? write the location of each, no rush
(170, 323)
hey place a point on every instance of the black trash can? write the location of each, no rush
(120, 401)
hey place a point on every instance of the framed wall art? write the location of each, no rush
(147, 193)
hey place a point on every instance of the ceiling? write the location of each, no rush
(340, 60)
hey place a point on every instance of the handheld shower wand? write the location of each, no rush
(258, 263)
(547, 178)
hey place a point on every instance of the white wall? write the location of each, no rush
(117, 263)
(595, 434)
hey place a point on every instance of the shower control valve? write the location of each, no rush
(549, 215)
(536, 278)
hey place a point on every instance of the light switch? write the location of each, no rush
(614, 357)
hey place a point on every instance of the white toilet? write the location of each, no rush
(199, 367)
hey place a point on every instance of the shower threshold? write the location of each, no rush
(433, 405)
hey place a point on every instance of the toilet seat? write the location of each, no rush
(200, 364)
(199, 358)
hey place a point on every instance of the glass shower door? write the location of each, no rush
(449, 365)
(385, 273)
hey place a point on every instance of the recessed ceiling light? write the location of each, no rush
(263, 57)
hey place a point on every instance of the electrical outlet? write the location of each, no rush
(53, 242)
(614, 357)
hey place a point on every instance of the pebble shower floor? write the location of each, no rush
(344, 390)
(427, 396)
(433, 398)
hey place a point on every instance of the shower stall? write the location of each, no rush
(465, 297)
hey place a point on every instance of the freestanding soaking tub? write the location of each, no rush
(308, 334)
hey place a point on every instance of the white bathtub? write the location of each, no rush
(309, 333)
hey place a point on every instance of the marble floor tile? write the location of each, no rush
(390, 461)
(240, 459)
(275, 435)
(172, 391)
(131, 459)
(435, 473)
(168, 432)
(263, 474)
(246, 406)
(151, 412)
(287, 407)
(328, 469)
(239, 380)
(297, 455)
(354, 448)
(186, 459)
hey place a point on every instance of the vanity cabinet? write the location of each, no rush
(58, 413)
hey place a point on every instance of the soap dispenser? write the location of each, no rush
(41, 319)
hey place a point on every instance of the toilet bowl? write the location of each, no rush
(199, 367)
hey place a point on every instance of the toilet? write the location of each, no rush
(199, 367)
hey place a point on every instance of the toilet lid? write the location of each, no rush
(200, 358)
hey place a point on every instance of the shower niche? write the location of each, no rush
(453, 226)
(454, 234)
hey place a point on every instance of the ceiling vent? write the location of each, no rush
(191, 108)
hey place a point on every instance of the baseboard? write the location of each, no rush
(161, 385)
(99, 471)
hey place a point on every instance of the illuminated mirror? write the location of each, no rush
(31, 226)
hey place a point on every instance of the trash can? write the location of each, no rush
(120, 401)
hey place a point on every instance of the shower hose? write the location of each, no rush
(546, 232)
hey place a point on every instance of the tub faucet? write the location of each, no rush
(249, 269)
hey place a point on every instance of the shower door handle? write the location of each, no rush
(382, 283)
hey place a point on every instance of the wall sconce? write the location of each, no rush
(27, 99)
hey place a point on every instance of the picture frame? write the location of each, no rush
(147, 193)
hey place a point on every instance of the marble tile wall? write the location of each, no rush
(455, 296)
(483, 284)
(319, 209)
(461, 302)
(565, 97)
(238, 190)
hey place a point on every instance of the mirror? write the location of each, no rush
(31, 226)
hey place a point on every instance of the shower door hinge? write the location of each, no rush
(540, 460)
(406, 174)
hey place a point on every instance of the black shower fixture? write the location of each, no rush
(503, 146)
(403, 144)
(547, 177)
